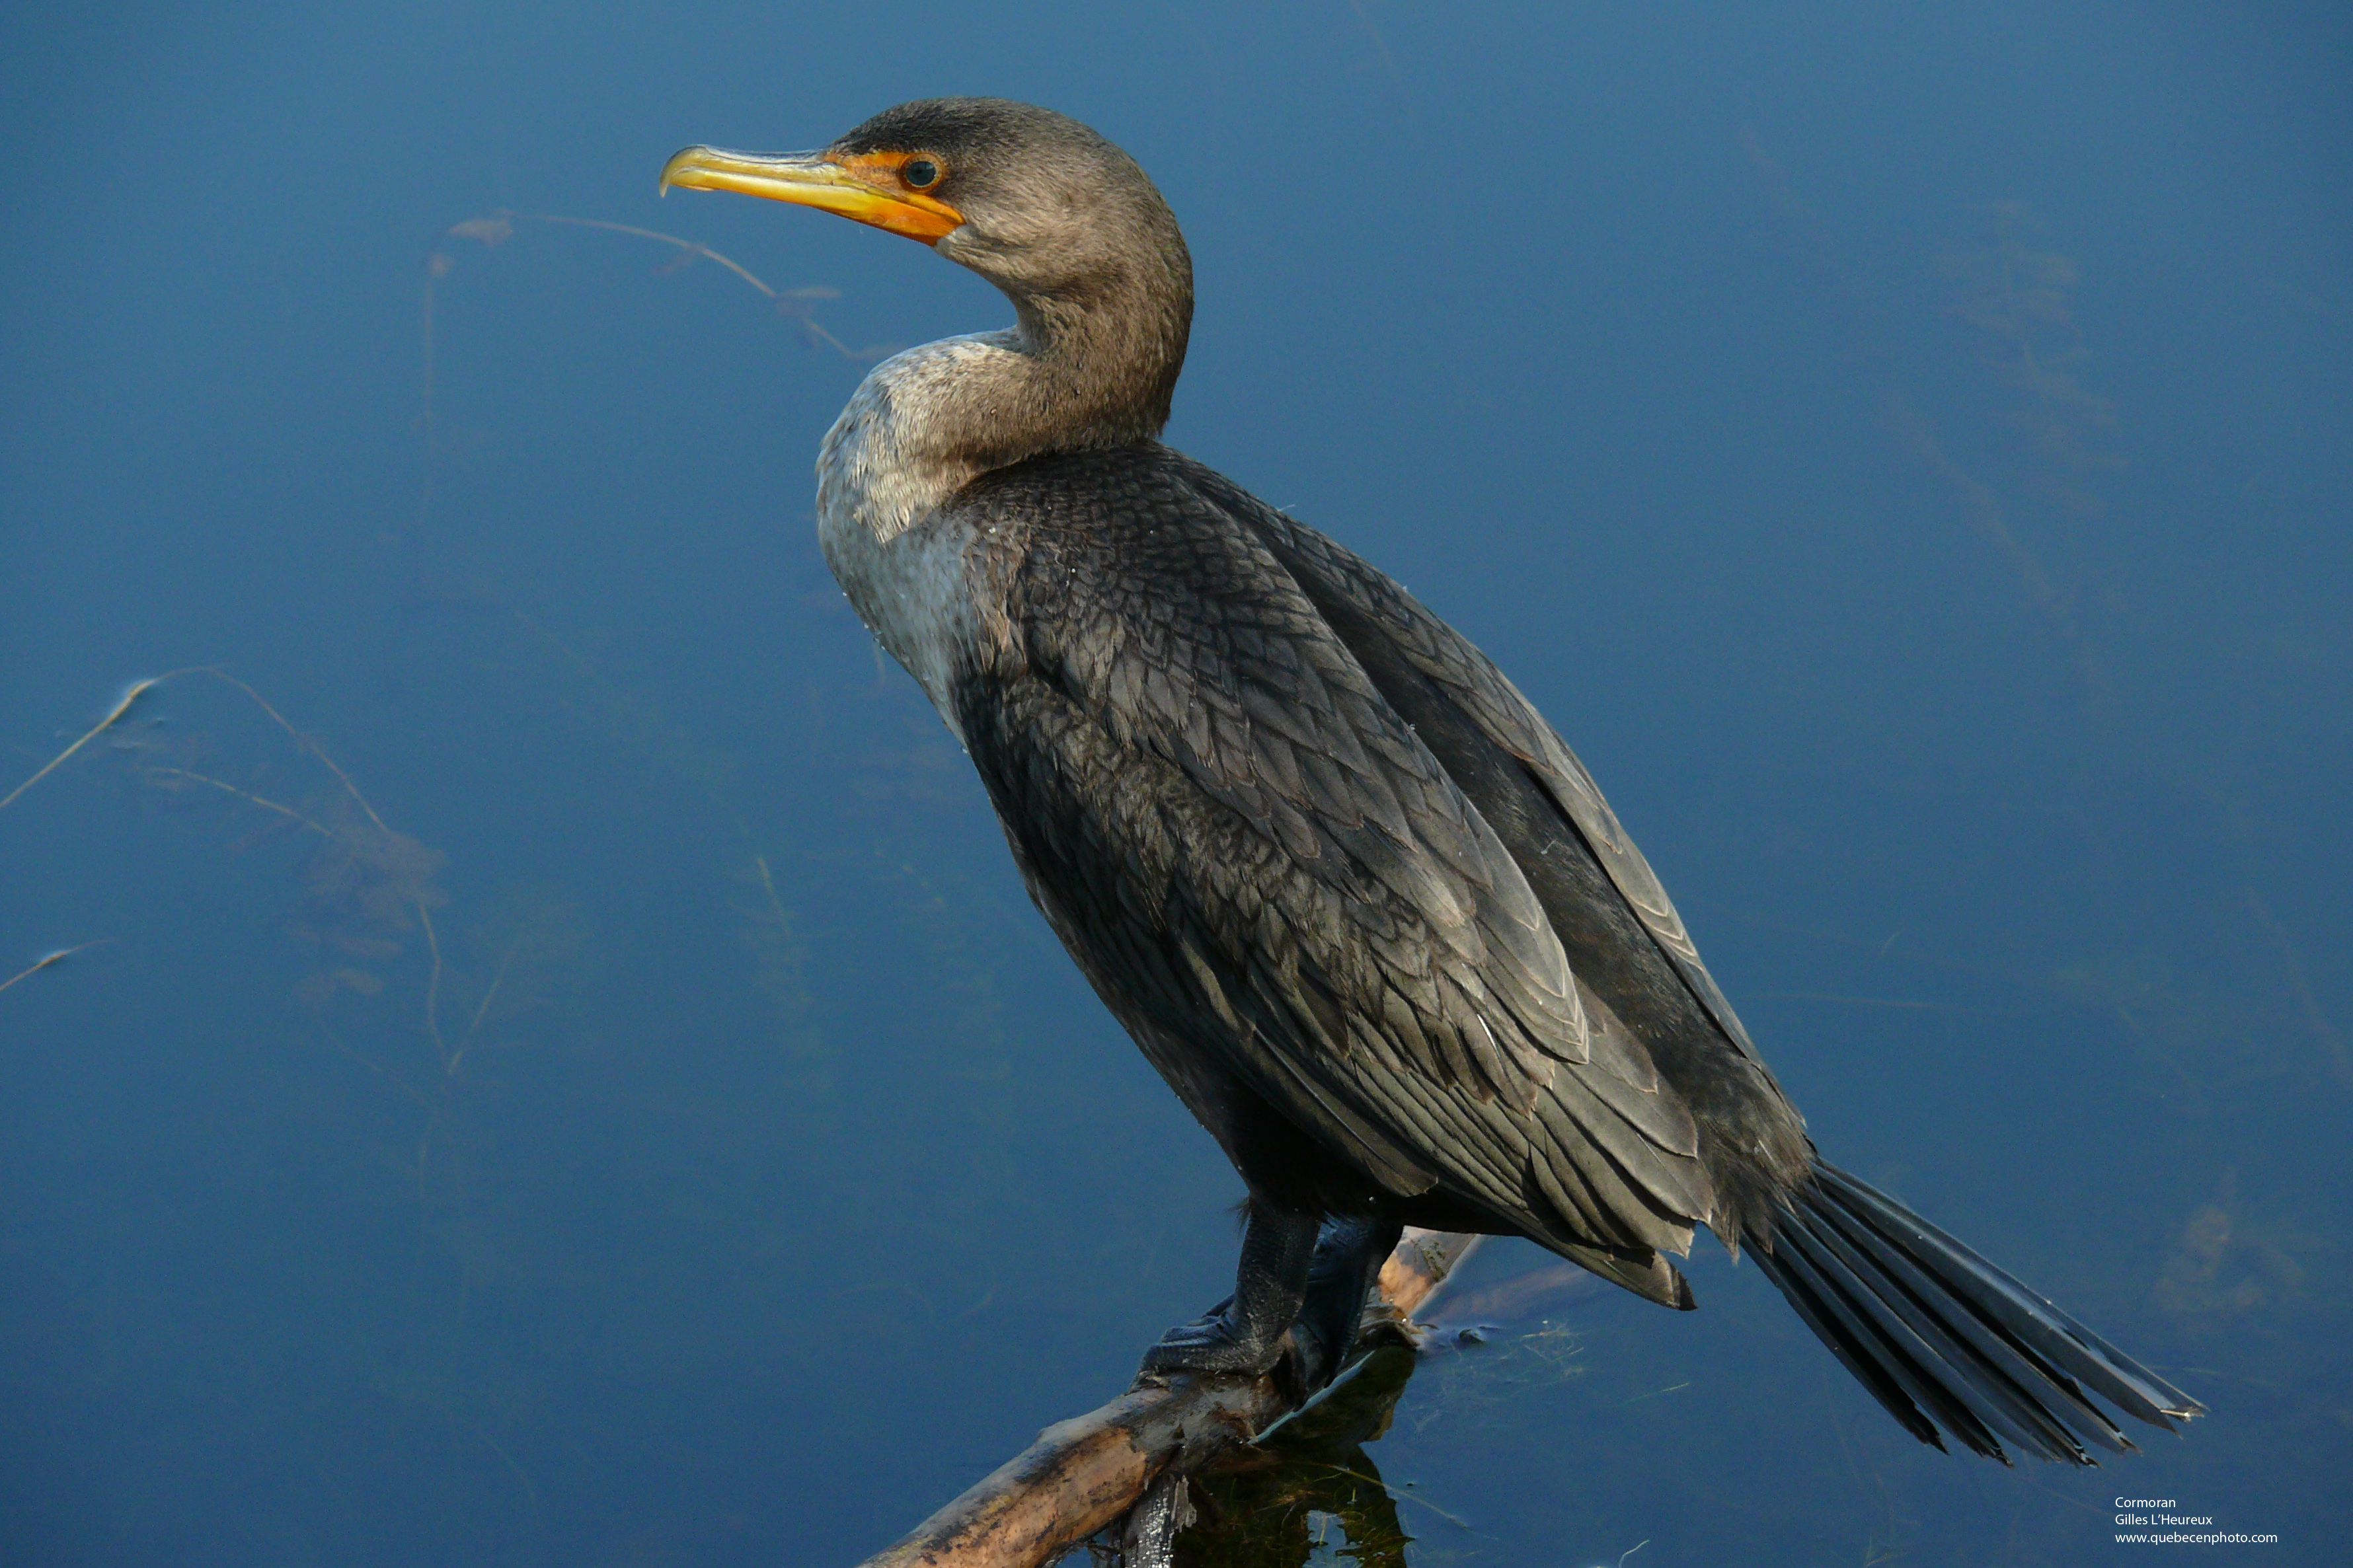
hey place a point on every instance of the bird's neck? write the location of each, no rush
(1071, 375)
(926, 423)
(1100, 363)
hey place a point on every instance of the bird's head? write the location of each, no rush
(1059, 219)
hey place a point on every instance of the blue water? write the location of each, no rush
(1907, 453)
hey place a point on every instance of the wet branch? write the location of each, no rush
(1081, 1475)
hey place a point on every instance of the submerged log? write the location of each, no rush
(1083, 1475)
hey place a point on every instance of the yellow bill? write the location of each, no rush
(867, 188)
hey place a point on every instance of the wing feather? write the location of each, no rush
(1604, 904)
(1249, 845)
(1488, 698)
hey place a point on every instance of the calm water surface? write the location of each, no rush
(565, 1072)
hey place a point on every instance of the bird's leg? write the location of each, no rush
(1245, 1334)
(1348, 1258)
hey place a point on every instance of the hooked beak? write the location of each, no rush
(866, 190)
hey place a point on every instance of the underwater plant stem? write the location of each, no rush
(141, 688)
(2332, 1044)
(529, 1492)
(1083, 1474)
(768, 886)
(387, 1075)
(427, 424)
(137, 689)
(48, 959)
(696, 248)
(304, 741)
(248, 795)
(1454, 1518)
(433, 987)
(693, 247)
(301, 741)
(474, 1026)
(426, 409)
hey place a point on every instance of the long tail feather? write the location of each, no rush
(1945, 1340)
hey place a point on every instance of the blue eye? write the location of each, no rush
(920, 174)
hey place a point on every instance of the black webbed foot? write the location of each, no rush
(1301, 1289)
(1247, 1333)
(1217, 1342)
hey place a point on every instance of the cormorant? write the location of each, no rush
(1357, 904)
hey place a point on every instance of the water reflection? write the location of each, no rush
(1310, 1492)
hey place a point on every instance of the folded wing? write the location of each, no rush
(1262, 855)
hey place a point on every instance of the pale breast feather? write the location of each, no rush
(905, 565)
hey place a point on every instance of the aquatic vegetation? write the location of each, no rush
(427, 1025)
(797, 306)
(2177, 950)
(114, 716)
(380, 990)
(49, 960)
(2017, 302)
(2228, 1260)
(384, 877)
(491, 231)
(1498, 1368)
(2208, 980)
